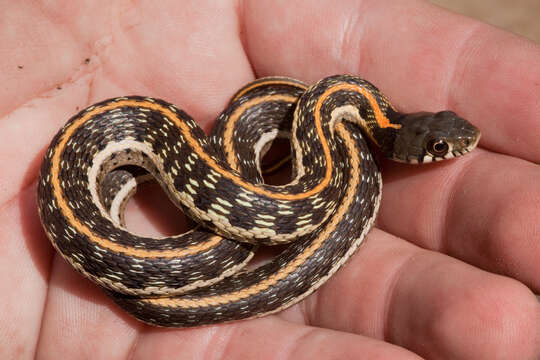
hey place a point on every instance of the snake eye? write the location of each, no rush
(437, 147)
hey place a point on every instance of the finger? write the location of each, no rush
(80, 322)
(421, 56)
(24, 272)
(483, 209)
(434, 305)
(267, 338)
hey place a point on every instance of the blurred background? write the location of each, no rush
(518, 16)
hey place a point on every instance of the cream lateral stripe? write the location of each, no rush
(259, 145)
(382, 120)
(342, 261)
(198, 151)
(118, 286)
(237, 113)
(350, 113)
(120, 199)
(98, 161)
(336, 191)
(300, 259)
(102, 242)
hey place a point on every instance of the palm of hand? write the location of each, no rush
(481, 210)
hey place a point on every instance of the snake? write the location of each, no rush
(95, 162)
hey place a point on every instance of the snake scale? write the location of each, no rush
(95, 162)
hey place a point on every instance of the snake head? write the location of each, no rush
(425, 137)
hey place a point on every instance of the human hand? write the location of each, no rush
(428, 279)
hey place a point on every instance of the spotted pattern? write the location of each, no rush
(96, 160)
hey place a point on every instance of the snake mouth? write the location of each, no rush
(456, 151)
(452, 153)
(477, 137)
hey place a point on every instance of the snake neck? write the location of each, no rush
(347, 98)
(412, 138)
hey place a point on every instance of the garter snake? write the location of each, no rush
(94, 163)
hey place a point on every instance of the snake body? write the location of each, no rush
(94, 163)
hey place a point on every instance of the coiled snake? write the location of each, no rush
(94, 163)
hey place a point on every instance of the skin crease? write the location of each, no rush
(446, 275)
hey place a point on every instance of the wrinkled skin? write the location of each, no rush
(447, 273)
